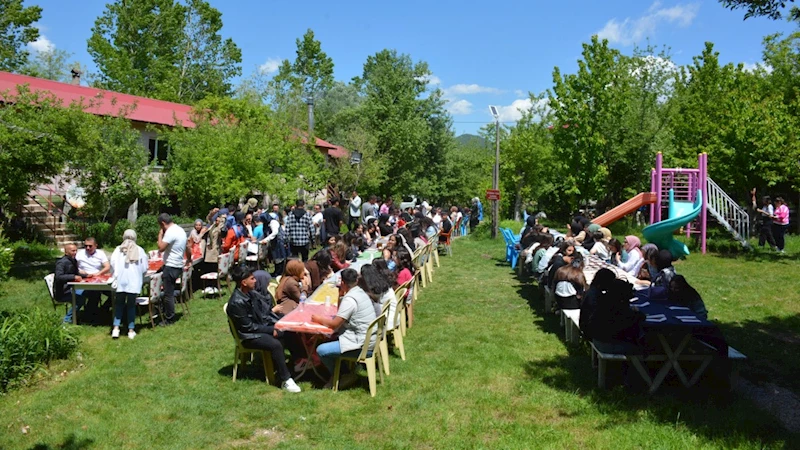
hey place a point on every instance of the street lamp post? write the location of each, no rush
(496, 169)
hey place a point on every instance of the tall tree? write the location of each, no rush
(308, 78)
(52, 64)
(758, 8)
(16, 30)
(410, 124)
(163, 49)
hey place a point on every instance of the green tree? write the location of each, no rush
(758, 8)
(52, 64)
(237, 149)
(163, 49)
(410, 124)
(309, 77)
(16, 31)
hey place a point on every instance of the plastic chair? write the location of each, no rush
(152, 299)
(239, 351)
(366, 357)
(447, 249)
(223, 268)
(397, 332)
(408, 302)
(50, 280)
(465, 225)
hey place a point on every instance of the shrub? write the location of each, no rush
(6, 256)
(119, 230)
(34, 251)
(147, 228)
(29, 340)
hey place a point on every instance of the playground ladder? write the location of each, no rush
(728, 213)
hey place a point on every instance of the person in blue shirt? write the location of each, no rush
(478, 206)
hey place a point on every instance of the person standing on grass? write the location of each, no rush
(300, 228)
(356, 312)
(355, 211)
(172, 243)
(254, 322)
(780, 223)
(332, 218)
(129, 263)
(764, 223)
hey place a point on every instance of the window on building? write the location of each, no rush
(158, 151)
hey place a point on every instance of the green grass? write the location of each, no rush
(485, 369)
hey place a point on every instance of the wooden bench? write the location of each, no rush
(600, 359)
(570, 320)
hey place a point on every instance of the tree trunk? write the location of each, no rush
(518, 199)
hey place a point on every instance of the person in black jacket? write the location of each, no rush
(254, 321)
(66, 272)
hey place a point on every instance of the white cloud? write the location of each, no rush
(520, 93)
(42, 44)
(467, 89)
(431, 79)
(631, 31)
(514, 111)
(459, 107)
(270, 66)
(753, 67)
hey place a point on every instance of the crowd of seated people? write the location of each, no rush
(557, 262)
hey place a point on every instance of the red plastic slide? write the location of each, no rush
(644, 198)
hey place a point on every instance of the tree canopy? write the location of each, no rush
(17, 29)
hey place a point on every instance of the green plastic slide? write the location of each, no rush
(680, 213)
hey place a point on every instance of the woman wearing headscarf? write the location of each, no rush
(237, 234)
(129, 264)
(295, 280)
(635, 257)
(197, 234)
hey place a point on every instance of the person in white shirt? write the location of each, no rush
(317, 219)
(355, 211)
(172, 243)
(92, 261)
(129, 262)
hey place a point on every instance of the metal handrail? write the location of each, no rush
(735, 218)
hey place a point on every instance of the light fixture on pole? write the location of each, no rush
(496, 170)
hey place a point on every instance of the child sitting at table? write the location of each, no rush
(356, 312)
(683, 294)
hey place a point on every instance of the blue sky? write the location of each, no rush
(480, 53)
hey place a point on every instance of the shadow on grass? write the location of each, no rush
(704, 408)
(70, 443)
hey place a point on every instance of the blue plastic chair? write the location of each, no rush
(512, 252)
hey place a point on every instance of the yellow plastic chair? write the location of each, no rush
(397, 331)
(435, 249)
(240, 351)
(385, 341)
(377, 327)
(406, 303)
(418, 259)
(272, 287)
(430, 251)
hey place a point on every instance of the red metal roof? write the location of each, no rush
(105, 103)
(147, 110)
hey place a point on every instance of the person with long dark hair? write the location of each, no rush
(683, 294)
(570, 284)
(319, 267)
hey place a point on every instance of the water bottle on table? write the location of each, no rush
(303, 297)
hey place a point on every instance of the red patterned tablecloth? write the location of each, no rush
(300, 321)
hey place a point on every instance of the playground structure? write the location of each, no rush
(683, 198)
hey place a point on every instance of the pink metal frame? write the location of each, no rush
(685, 183)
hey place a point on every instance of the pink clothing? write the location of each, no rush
(384, 209)
(782, 215)
(403, 276)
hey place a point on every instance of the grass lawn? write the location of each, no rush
(485, 369)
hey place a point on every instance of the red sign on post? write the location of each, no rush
(492, 194)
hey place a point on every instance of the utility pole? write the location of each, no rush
(496, 170)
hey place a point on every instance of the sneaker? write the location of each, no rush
(115, 334)
(290, 386)
(131, 334)
(300, 365)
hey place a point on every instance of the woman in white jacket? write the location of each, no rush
(129, 263)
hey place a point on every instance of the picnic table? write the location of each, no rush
(95, 283)
(669, 330)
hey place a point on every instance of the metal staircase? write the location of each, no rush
(728, 213)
